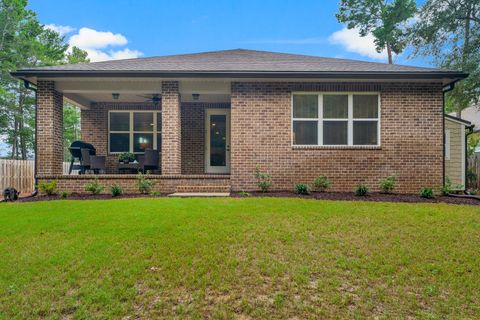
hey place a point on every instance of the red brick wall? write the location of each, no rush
(49, 129)
(171, 129)
(411, 138)
(164, 184)
(193, 135)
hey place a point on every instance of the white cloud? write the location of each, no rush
(62, 30)
(95, 42)
(93, 39)
(351, 40)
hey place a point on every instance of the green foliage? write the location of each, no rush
(77, 55)
(385, 20)
(126, 156)
(94, 186)
(49, 188)
(244, 194)
(65, 194)
(24, 43)
(116, 190)
(264, 181)
(155, 194)
(302, 188)
(449, 187)
(473, 142)
(71, 127)
(388, 184)
(321, 183)
(361, 190)
(145, 185)
(426, 193)
(449, 33)
(471, 178)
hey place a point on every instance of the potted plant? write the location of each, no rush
(126, 157)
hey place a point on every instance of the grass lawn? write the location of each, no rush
(238, 258)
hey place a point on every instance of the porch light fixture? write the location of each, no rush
(115, 96)
(195, 96)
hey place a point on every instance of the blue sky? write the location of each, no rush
(111, 29)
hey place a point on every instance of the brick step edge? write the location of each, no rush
(196, 189)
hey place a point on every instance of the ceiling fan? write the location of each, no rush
(154, 98)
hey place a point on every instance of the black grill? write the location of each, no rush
(74, 149)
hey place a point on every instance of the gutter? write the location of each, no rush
(28, 86)
(445, 89)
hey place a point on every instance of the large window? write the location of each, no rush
(336, 119)
(134, 131)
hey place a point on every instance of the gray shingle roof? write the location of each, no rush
(233, 61)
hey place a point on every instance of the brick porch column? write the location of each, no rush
(171, 129)
(49, 155)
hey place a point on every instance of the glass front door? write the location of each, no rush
(217, 141)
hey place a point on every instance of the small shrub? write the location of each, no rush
(145, 185)
(49, 188)
(244, 194)
(64, 194)
(361, 190)
(388, 184)
(321, 183)
(116, 190)
(94, 187)
(264, 181)
(155, 194)
(426, 193)
(448, 187)
(126, 157)
(302, 188)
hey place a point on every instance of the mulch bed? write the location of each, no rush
(378, 197)
(81, 196)
(346, 196)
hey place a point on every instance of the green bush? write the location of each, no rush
(426, 193)
(264, 181)
(126, 156)
(65, 194)
(361, 190)
(116, 190)
(448, 187)
(94, 187)
(321, 183)
(145, 185)
(49, 188)
(155, 194)
(388, 184)
(244, 194)
(302, 188)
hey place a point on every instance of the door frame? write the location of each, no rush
(208, 113)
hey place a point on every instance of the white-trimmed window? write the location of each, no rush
(336, 119)
(134, 131)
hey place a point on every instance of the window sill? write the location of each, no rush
(336, 147)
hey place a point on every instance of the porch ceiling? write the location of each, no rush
(82, 92)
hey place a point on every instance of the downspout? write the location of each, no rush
(28, 86)
(469, 132)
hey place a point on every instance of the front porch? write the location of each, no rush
(189, 126)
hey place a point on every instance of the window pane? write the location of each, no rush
(365, 132)
(305, 132)
(335, 132)
(119, 142)
(335, 106)
(119, 121)
(365, 106)
(159, 121)
(143, 121)
(142, 141)
(305, 106)
(218, 140)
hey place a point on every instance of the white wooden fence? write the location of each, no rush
(19, 174)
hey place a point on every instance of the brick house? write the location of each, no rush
(221, 114)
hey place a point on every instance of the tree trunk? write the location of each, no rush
(389, 52)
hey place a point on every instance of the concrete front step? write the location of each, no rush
(203, 189)
(199, 194)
